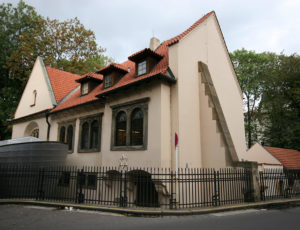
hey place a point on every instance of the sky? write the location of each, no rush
(124, 27)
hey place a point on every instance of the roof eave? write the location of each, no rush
(158, 76)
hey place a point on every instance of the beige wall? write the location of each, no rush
(143, 158)
(75, 158)
(37, 81)
(24, 129)
(205, 148)
(261, 155)
(156, 155)
(165, 129)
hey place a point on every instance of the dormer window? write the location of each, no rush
(142, 67)
(89, 82)
(85, 88)
(112, 74)
(108, 81)
(145, 60)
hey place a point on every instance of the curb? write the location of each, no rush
(158, 212)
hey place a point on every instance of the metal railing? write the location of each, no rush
(279, 183)
(109, 186)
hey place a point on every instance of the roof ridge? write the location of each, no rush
(181, 35)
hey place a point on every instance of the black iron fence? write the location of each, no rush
(110, 186)
(279, 183)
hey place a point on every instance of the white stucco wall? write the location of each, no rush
(205, 148)
(156, 154)
(23, 129)
(37, 81)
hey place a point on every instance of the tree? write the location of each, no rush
(250, 68)
(65, 45)
(13, 22)
(24, 35)
(281, 103)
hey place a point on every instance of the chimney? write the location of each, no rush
(154, 43)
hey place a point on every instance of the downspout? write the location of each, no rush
(49, 125)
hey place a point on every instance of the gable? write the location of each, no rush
(204, 43)
(38, 94)
(259, 154)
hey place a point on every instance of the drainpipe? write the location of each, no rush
(49, 125)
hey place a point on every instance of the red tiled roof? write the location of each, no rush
(112, 65)
(290, 158)
(90, 75)
(129, 78)
(180, 36)
(62, 82)
(143, 53)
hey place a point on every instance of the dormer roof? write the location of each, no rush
(142, 54)
(90, 76)
(112, 67)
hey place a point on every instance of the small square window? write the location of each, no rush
(85, 88)
(108, 81)
(142, 68)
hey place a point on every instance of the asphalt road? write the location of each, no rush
(41, 218)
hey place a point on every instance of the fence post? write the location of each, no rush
(216, 189)
(173, 194)
(262, 186)
(40, 192)
(123, 189)
(125, 201)
(81, 180)
(254, 188)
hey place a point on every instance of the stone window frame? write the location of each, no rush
(66, 124)
(128, 108)
(90, 119)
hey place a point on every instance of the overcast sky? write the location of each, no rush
(124, 27)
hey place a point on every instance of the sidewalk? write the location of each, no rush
(157, 211)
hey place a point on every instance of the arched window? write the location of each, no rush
(62, 134)
(121, 122)
(35, 133)
(136, 127)
(70, 137)
(94, 134)
(85, 136)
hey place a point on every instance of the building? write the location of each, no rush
(127, 114)
(272, 157)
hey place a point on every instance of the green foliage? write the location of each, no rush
(13, 22)
(65, 45)
(24, 35)
(251, 68)
(281, 103)
(271, 89)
